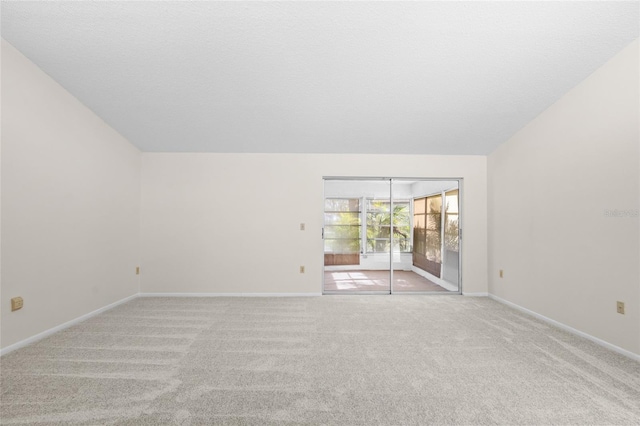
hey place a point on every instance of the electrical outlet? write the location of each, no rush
(302, 269)
(16, 303)
(620, 307)
(501, 273)
(302, 226)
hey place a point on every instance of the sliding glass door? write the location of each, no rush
(419, 267)
(355, 254)
(391, 236)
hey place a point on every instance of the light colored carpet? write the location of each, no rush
(357, 360)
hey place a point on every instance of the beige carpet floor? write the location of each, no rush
(347, 360)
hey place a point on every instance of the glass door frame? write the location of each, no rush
(391, 181)
(362, 240)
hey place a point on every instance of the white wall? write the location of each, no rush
(70, 205)
(550, 189)
(229, 223)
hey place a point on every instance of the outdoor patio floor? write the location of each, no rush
(369, 280)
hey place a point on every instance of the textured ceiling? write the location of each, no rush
(321, 77)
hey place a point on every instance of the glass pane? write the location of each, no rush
(378, 231)
(435, 204)
(377, 206)
(451, 201)
(347, 267)
(451, 252)
(342, 205)
(341, 246)
(403, 245)
(378, 245)
(376, 219)
(400, 232)
(337, 231)
(451, 232)
(433, 222)
(433, 246)
(419, 240)
(345, 218)
(401, 213)
(427, 249)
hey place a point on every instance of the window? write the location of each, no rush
(451, 242)
(427, 233)
(342, 231)
(378, 221)
(434, 228)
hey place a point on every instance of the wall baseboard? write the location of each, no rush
(229, 294)
(475, 294)
(565, 327)
(62, 326)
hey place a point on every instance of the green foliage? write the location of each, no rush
(379, 227)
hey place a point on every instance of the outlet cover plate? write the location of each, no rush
(16, 303)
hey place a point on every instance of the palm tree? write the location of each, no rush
(379, 228)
